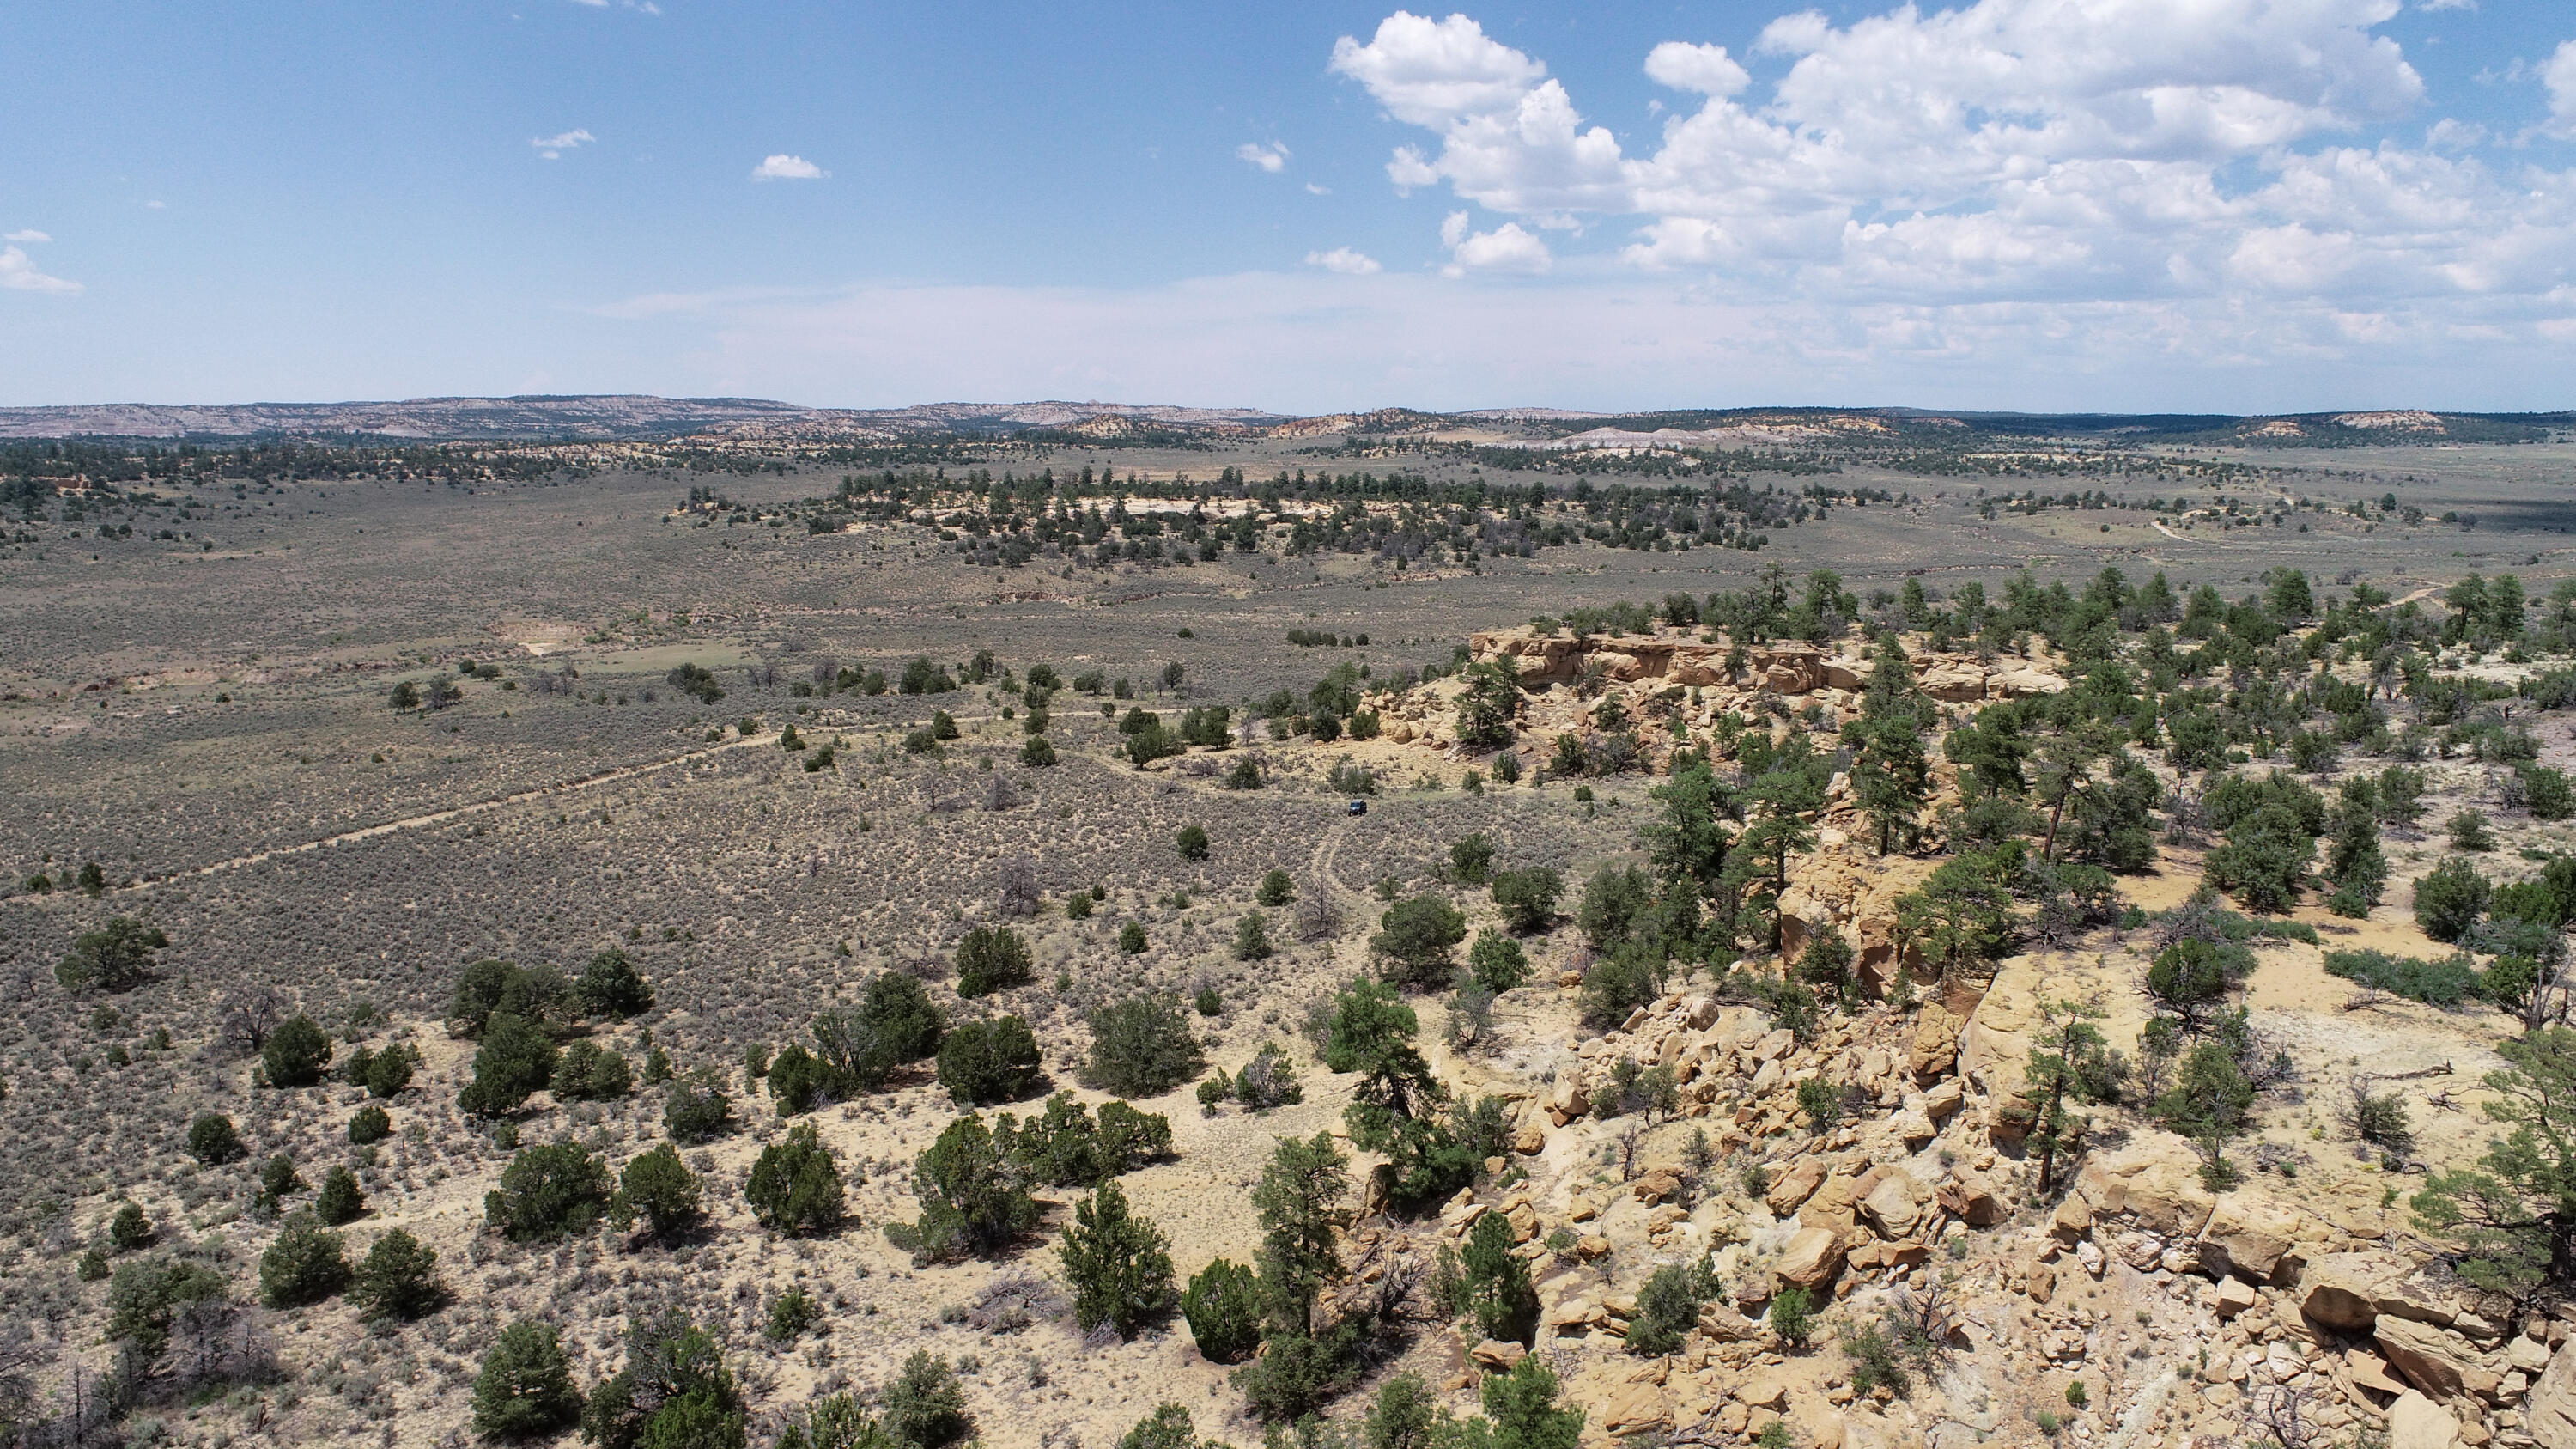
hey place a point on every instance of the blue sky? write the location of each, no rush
(2139, 204)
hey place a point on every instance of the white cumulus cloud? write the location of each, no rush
(2559, 75)
(18, 274)
(1707, 69)
(2119, 153)
(787, 168)
(1507, 248)
(551, 148)
(1271, 157)
(30, 235)
(1343, 260)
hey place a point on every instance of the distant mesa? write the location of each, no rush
(755, 422)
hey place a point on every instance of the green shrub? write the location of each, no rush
(1064, 1147)
(1119, 1265)
(1619, 983)
(1471, 858)
(657, 1187)
(610, 986)
(212, 1140)
(1528, 898)
(797, 1080)
(1224, 1308)
(2449, 899)
(1168, 1427)
(524, 1389)
(985, 1062)
(1497, 961)
(547, 1192)
(991, 959)
(1268, 1080)
(296, 1053)
(697, 1111)
(795, 1187)
(1131, 938)
(974, 1198)
(1142, 1046)
(115, 957)
(129, 1229)
(389, 1071)
(1667, 1311)
(1276, 890)
(1298, 1374)
(339, 1202)
(1036, 753)
(673, 1393)
(1791, 1316)
(517, 1058)
(1414, 939)
(2436, 983)
(305, 1265)
(1494, 1283)
(925, 1406)
(399, 1278)
(791, 1314)
(588, 1072)
(894, 1024)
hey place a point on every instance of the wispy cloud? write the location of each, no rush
(1343, 260)
(18, 274)
(1270, 156)
(551, 148)
(783, 167)
(26, 236)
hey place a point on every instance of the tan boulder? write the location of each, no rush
(2436, 1360)
(1944, 1100)
(1636, 1409)
(2023, 683)
(1496, 1355)
(2233, 1297)
(1766, 1391)
(1570, 1099)
(1794, 1186)
(1971, 1199)
(1896, 1203)
(1851, 674)
(2253, 1234)
(1953, 681)
(2155, 1183)
(1789, 667)
(1723, 1324)
(1836, 1206)
(2416, 1422)
(2350, 1291)
(1935, 1048)
(1996, 1040)
(1812, 1258)
(2549, 1413)
(1657, 1186)
(1531, 1140)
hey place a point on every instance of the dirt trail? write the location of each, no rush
(440, 817)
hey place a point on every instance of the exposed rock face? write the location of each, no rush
(1788, 667)
(2550, 1413)
(1636, 1409)
(2416, 1422)
(2351, 1291)
(2436, 1360)
(1936, 1043)
(1812, 1258)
